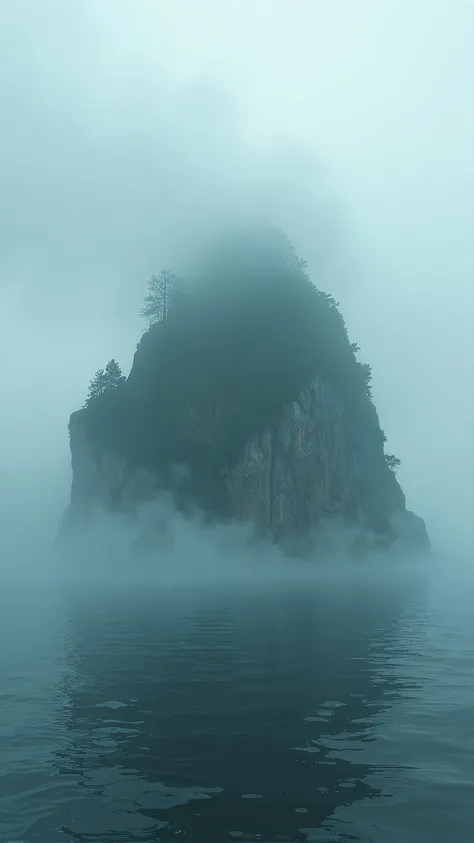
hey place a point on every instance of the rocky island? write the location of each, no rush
(245, 401)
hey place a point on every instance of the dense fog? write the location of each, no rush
(132, 130)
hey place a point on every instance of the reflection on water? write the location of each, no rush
(290, 712)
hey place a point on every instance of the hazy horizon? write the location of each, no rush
(130, 130)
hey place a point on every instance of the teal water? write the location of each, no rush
(328, 708)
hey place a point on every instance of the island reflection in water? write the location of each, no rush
(206, 713)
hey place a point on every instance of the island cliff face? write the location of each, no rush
(308, 451)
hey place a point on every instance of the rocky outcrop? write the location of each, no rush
(312, 464)
(246, 401)
(102, 479)
(300, 469)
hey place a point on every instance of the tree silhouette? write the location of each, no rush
(97, 386)
(161, 289)
(393, 462)
(366, 372)
(104, 380)
(113, 374)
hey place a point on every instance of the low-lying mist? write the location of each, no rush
(160, 546)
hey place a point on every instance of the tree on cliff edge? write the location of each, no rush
(161, 289)
(104, 380)
(392, 462)
(113, 374)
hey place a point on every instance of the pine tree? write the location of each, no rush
(113, 374)
(104, 380)
(97, 386)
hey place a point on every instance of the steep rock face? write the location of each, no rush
(102, 479)
(310, 465)
(314, 465)
(300, 469)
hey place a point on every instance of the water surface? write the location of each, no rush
(325, 708)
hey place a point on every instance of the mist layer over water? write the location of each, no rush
(303, 706)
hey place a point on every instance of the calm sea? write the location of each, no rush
(317, 708)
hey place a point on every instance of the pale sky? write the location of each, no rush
(130, 127)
